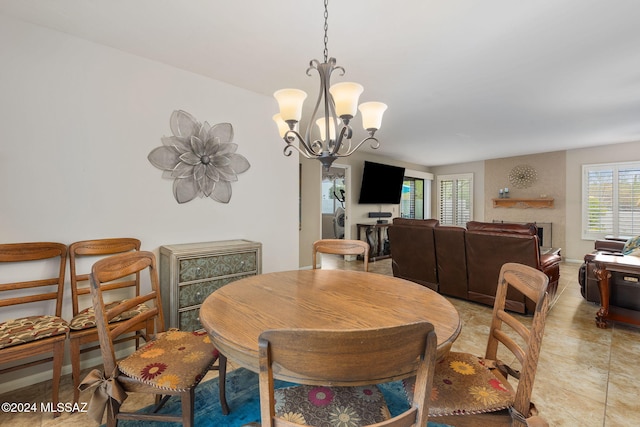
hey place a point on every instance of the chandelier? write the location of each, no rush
(340, 105)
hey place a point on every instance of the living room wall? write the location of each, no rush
(555, 170)
(550, 182)
(311, 172)
(577, 247)
(78, 121)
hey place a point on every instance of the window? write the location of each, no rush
(412, 201)
(333, 189)
(610, 200)
(455, 199)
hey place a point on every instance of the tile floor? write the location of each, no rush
(586, 376)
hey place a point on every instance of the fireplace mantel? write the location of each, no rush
(540, 203)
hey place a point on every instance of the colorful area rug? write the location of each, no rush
(243, 398)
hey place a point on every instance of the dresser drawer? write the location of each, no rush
(189, 320)
(217, 265)
(195, 293)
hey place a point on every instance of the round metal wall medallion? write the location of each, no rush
(523, 176)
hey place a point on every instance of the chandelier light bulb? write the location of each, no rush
(345, 96)
(332, 129)
(372, 115)
(290, 102)
(283, 127)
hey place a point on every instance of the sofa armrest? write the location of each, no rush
(609, 245)
(549, 260)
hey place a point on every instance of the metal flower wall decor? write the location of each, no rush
(523, 176)
(201, 159)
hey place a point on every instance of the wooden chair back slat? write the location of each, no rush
(35, 251)
(349, 357)
(341, 247)
(95, 249)
(113, 268)
(532, 283)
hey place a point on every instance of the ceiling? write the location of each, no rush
(464, 80)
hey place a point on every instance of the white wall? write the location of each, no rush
(77, 122)
(625, 152)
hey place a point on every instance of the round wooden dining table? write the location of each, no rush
(236, 314)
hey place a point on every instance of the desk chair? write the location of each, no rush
(339, 370)
(341, 247)
(173, 363)
(474, 391)
(45, 332)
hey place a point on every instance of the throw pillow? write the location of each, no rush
(632, 247)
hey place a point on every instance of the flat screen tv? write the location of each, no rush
(381, 184)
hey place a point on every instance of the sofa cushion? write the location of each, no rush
(413, 250)
(416, 222)
(498, 227)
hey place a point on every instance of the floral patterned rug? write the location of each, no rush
(244, 401)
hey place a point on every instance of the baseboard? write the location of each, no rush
(26, 377)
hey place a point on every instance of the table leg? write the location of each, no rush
(603, 277)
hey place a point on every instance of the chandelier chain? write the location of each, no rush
(326, 28)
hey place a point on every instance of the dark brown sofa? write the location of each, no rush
(465, 262)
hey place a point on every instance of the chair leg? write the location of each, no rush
(74, 348)
(58, 354)
(112, 414)
(222, 376)
(187, 399)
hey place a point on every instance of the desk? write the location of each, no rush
(236, 314)
(604, 265)
(377, 236)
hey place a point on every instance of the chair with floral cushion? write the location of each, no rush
(474, 391)
(173, 363)
(338, 371)
(341, 247)
(83, 324)
(37, 272)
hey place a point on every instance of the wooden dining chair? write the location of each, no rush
(341, 247)
(474, 391)
(83, 324)
(173, 363)
(39, 269)
(338, 371)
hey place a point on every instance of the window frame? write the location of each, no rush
(455, 178)
(586, 212)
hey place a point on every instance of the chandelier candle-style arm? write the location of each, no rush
(339, 106)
